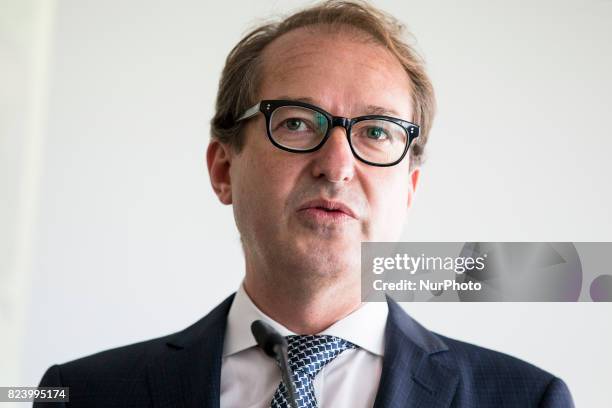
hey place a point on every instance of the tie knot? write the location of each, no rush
(310, 353)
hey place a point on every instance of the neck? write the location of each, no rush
(303, 306)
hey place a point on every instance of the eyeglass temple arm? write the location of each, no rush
(252, 111)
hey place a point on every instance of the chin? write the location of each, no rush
(329, 268)
(333, 256)
(329, 245)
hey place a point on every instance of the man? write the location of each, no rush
(316, 143)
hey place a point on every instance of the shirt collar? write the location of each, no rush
(365, 327)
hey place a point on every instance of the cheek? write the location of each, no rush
(263, 185)
(390, 205)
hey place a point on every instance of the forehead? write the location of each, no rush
(344, 70)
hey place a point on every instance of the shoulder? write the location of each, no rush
(481, 360)
(484, 377)
(495, 377)
(128, 364)
(114, 377)
(469, 359)
(132, 358)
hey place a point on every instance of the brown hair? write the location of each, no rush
(242, 71)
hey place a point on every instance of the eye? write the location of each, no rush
(293, 123)
(376, 133)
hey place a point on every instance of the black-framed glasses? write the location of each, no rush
(300, 127)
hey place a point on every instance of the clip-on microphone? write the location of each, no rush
(275, 346)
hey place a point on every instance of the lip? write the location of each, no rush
(330, 206)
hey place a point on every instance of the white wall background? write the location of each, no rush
(111, 233)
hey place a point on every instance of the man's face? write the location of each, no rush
(279, 197)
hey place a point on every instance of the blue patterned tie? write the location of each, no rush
(307, 356)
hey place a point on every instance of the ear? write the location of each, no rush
(218, 159)
(414, 180)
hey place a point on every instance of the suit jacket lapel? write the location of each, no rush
(189, 373)
(411, 375)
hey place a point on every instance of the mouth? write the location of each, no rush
(328, 209)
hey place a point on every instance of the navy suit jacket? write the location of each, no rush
(420, 369)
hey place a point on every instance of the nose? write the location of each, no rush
(335, 160)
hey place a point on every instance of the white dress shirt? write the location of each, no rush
(249, 378)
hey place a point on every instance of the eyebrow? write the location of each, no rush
(369, 109)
